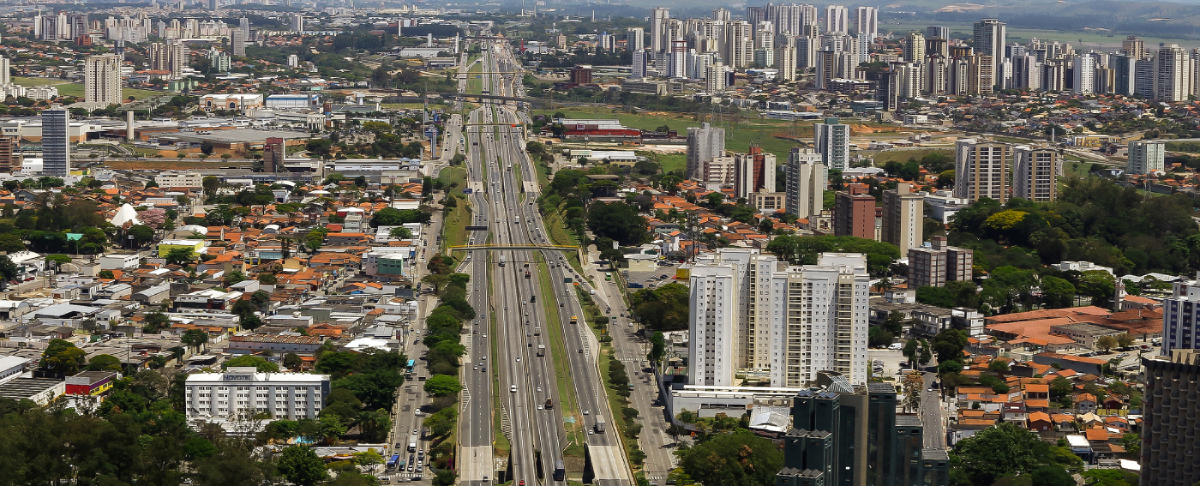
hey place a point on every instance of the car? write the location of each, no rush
(522, 483)
(518, 359)
(415, 432)
(930, 390)
(483, 369)
(484, 358)
(585, 412)
(539, 389)
(591, 432)
(512, 388)
(476, 331)
(539, 407)
(476, 367)
(485, 335)
(562, 304)
(580, 350)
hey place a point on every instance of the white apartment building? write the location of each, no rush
(712, 336)
(1035, 173)
(102, 80)
(225, 397)
(179, 179)
(1146, 157)
(752, 312)
(806, 177)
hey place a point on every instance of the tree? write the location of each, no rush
(155, 322)
(739, 458)
(1124, 340)
(292, 361)
(948, 344)
(442, 385)
(62, 357)
(247, 361)
(1106, 343)
(1057, 292)
(301, 465)
(910, 351)
(206, 147)
(180, 256)
(104, 362)
(8, 269)
(998, 366)
(998, 451)
(401, 233)
(194, 338)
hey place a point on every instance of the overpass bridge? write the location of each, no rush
(528, 246)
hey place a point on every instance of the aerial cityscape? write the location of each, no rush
(528, 242)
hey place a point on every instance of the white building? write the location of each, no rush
(703, 144)
(832, 140)
(1181, 317)
(981, 170)
(1035, 173)
(1146, 157)
(102, 80)
(179, 179)
(238, 392)
(752, 312)
(806, 178)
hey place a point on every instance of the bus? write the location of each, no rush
(574, 320)
(391, 463)
(411, 363)
(608, 277)
(560, 472)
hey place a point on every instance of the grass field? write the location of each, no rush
(670, 162)
(454, 176)
(1076, 169)
(560, 236)
(903, 155)
(454, 231)
(66, 88)
(566, 392)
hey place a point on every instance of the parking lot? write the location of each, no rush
(654, 278)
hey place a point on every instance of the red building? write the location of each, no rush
(854, 213)
(90, 383)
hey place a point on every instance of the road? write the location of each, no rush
(496, 152)
(632, 351)
(934, 421)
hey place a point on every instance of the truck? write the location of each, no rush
(632, 285)
(412, 445)
(541, 350)
(568, 280)
(526, 273)
(599, 425)
(549, 404)
(537, 331)
(502, 260)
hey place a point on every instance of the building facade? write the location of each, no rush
(1035, 173)
(1146, 157)
(832, 141)
(938, 263)
(102, 80)
(56, 142)
(228, 396)
(703, 144)
(903, 218)
(1171, 433)
(805, 185)
(981, 170)
(854, 215)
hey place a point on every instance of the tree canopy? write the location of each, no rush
(739, 457)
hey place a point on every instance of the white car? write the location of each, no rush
(512, 388)
(585, 412)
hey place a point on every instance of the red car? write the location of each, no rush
(522, 482)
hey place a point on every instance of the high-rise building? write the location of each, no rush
(1084, 74)
(102, 80)
(1146, 157)
(5, 71)
(854, 214)
(806, 180)
(990, 36)
(170, 56)
(49, 29)
(791, 19)
(1170, 434)
(10, 156)
(914, 48)
(751, 311)
(635, 39)
(1035, 173)
(934, 264)
(638, 70)
(832, 141)
(738, 50)
(715, 79)
(1134, 48)
(297, 21)
(837, 20)
(753, 172)
(237, 42)
(79, 25)
(785, 62)
(903, 218)
(712, 333)
(274, 153)
(1172, 73)
(1143, 73)
(981, 170)
(658, 27)
(936, 32)
(678, 59)
(866, 22)
(56, 142)
(703, 143)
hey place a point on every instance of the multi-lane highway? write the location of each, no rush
(536, 435)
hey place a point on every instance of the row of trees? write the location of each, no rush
(445, 325)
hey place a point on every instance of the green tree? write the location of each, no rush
(442, 385)
(301, 465)
(247, 361)
(739, 457)
(292, 361)
(104, 362)
(401, 233)
(948, 344)
(63, 357)
(194, 338)
(180, 256)
(141, 234)
(1057, 292)
(1106, 343)
(8, 269)
(998, 451)
(155, 322)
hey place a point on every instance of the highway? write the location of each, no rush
(525, 380)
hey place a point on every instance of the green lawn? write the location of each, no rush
(740, 134)
(567, 401)
(903, 155)
(66, 88)
(670, 162)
